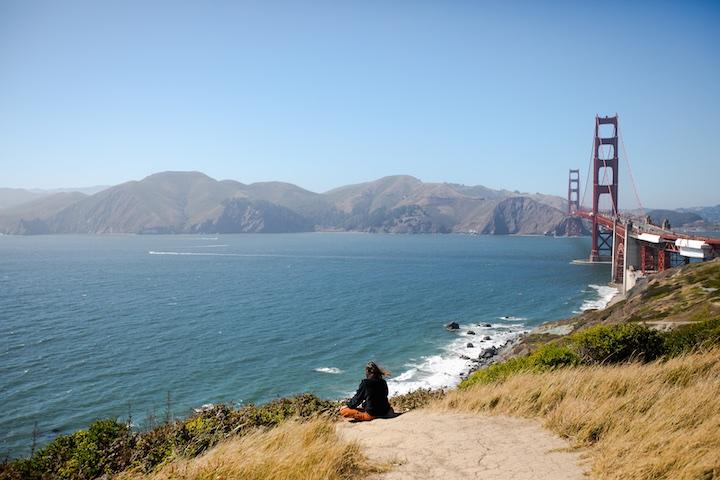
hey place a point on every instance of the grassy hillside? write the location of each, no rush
(636, 386)
(310, 450)
(676, 297)
(635, 421)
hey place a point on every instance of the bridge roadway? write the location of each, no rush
(671, 241)
(645, 248)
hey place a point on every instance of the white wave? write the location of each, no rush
(511, 318)
(445, 369)
(210, 246)
(333, 370)
(605, 293)
(204, 407)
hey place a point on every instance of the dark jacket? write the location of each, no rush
(372, 394)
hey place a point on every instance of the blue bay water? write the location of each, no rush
(90, 325)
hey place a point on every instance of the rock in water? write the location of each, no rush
(470, 345)
(453, 326)
(488, 352)
(470, 332)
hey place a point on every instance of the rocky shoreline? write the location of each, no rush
(515, 346)
(487, 355)
(491, 355)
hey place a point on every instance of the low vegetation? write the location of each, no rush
(416, 399)
(644, 403)
(702, 334)
(603, 344)
(654, 420)
(108, 446)
(296, 450)
(679, 295)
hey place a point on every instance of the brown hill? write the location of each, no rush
(183, 202)
(31, 217)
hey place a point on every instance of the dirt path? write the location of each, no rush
(447, 446)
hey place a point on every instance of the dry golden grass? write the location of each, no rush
(293, 450)
(636, 421)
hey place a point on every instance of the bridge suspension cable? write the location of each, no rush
(632, 179)
(589, 168)
(615, 208)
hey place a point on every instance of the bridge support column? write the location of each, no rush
(573, 225)
(618, 265)
(663, 260)
(647, 259)
(573, 191)
(605, 184)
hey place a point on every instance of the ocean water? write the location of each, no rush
(97, 326)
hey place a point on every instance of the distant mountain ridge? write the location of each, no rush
(192, 202)
(675, 217)
(711, 214)
(11, 197)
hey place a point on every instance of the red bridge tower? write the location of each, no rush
(573, 191)
(573, 225)
(605, 183)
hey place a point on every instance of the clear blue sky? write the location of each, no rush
(323, 94)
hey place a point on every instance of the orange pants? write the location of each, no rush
(358, 415)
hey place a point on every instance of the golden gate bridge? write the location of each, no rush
(631, 244)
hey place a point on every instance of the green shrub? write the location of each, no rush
(415, 399)
(547, 357)
(153, 447)
(23, 469)
(104, 448)
(618, 343)
(496, 372)
(693, 336)
(204, 429)
(552, 356)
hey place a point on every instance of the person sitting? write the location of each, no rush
(370, 400)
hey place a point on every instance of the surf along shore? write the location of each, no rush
(632, 390)
(514, 343)
(475, 345)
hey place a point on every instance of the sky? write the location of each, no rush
(328, 93)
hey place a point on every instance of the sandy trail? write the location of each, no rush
(447, 445)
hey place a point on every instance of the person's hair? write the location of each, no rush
(372, 370)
